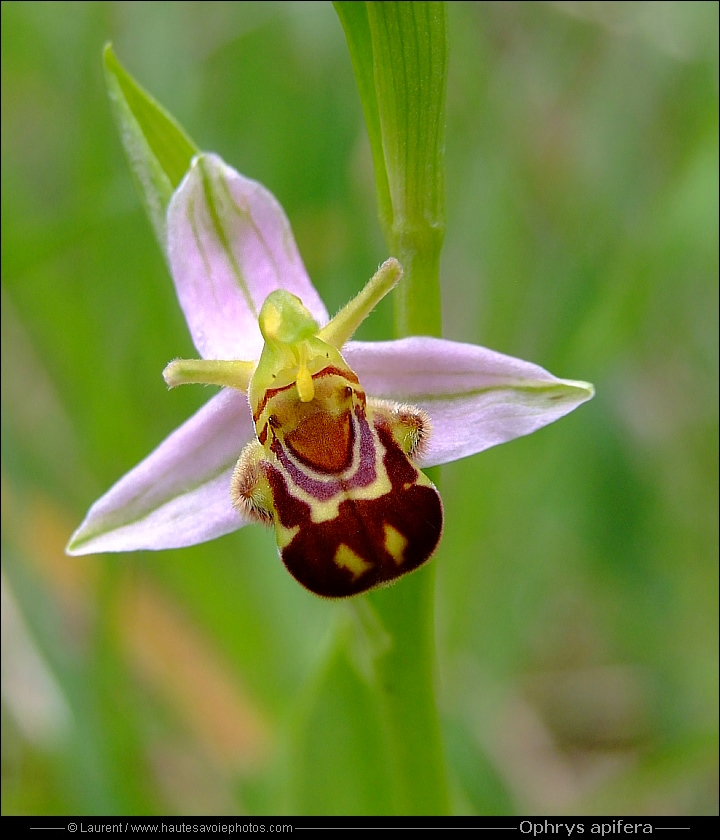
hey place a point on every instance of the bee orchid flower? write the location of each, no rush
(319, 436)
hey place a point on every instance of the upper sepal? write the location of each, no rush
(230, 245)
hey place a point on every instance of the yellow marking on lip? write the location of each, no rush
(284, 536)
(346, 558)
(395, 544)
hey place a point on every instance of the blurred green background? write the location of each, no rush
(577, 578)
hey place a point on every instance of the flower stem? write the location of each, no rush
(417, 298)
(405, 681)
(399, 54)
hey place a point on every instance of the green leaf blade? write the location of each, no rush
(399, 53)
(354, 19)
(158, 149)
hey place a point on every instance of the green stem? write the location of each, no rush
(417, 296)
(405, 681)
(399, 54)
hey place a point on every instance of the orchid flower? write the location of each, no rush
(230, 249)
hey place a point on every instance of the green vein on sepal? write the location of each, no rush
(540, 390)
(109, 524)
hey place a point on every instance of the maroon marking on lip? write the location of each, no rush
(415, 511)
(324, 441)
(324, 490)
(366, 472)
(321, 490)
(333, 371)
(328, 371)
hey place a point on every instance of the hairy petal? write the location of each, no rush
(476, 398)
(230, 245)
(180, 494)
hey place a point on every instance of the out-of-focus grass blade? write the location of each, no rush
(339, 761)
